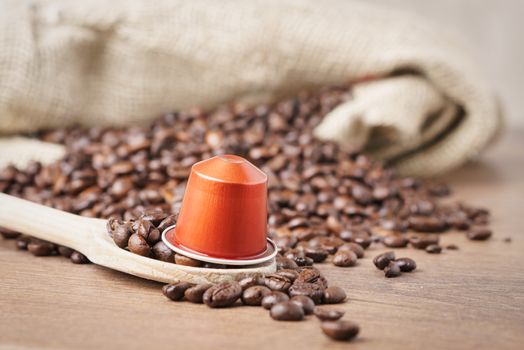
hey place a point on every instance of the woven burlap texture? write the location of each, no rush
(124, 62)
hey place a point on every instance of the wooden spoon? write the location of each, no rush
(89, 236)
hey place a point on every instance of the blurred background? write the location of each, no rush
(492, 30)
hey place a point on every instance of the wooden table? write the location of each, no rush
(471, 298)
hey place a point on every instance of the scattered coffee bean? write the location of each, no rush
(354, 247)
(287, 311)
(312, 290)
(421, 242)
(223, 294)
(79, 258)
(162, 252)
(406, 264)
(340, 330)
(383, 260)
(328, 315)
(334, 295)
(65, 251)
(196, 294)
(434, 249)
(305, 302)
(250, 281)
(176, 291)
(285, 263)
(345, 258)
(8, 234)
(392, 270)
(427, 224)
(272, 298)
(40, 248)
(253, 295)
(22, 242)
(317, 254)
(452, 247)
(479, 234)
(278, 282)
(395, 241)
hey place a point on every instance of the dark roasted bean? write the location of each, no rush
(223, 294)
(354, 247)
(328, 315)
(253, 295)
(184, 260)
(287, 311)
(163, 252)
(306, 303)
(196, 294)
(317, 254)
(392, 270)
(285, 263)
(395, 241)
(334, 295)
(278, 282)
(422, 241)
(406, 264)
(313, 290)
(452, 247)
(434, 249)
(340, 330)
(22, 242)
(272, 298)
(383, 260)
(79, 258)
(65, 251)
(427, 224)
(176, 291)
(40, 248)
(250, 281)
(479, 234)
(345, 258)
(138, 245)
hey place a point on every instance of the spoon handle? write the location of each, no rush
(44, 222)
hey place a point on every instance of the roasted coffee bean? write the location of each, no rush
(168, 221)
(253, 295)
(328, 315)
(406, 264)
(250, 281)
(303, 261)
(479, 234)
(184, 260)
(292, 275)
(452, 247)
(176, 291)
(434, 249)
(285, 263)
(345, 258)
(311, 275)
(354, 247)
(196, 294)
(317, 254)
(287, 311)
(22, 242)
(162, 252)
(79, 258)
(362, 240)
(313, 290)
(40, 248)
(334, 295)
(392, 270)
(278, 282)
(427, 224)
(222, 295)
(272, 298)
(65, 251)
(121, 234)
(395, 241)
(138, 245)
(422, 241)
(305, 303)
(340, 330)
(8, 234)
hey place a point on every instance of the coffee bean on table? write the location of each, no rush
(253, 295)
(22, 242)
(186, 261)
(285, 263)
(312, 290)
(272, 298)
(452, 247)
(383, 260)
(422, 241)
(176, 291)
(479, 234)
(345, 258)
(305, 302)
(340, 330)
(79, 258)
(8, 234)
(328, 315)
(138, 245)
(427, 224)
(396, 241)
(354, 247)
(317, 254)
(195, 294)
(406, 264)
(223, 294)
(292, 275)
(40, 248)
(392, 270)
(65, 251)
(278, 282)
(121, 234)
(334, 295)
(433, 249)
(303, 261)
(287, 311)
(311, 275)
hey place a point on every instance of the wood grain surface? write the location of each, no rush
(467, 299)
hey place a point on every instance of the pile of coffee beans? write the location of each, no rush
(325, 204)
(393, 267)
(288, 294)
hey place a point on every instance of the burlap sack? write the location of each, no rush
(418, 99)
